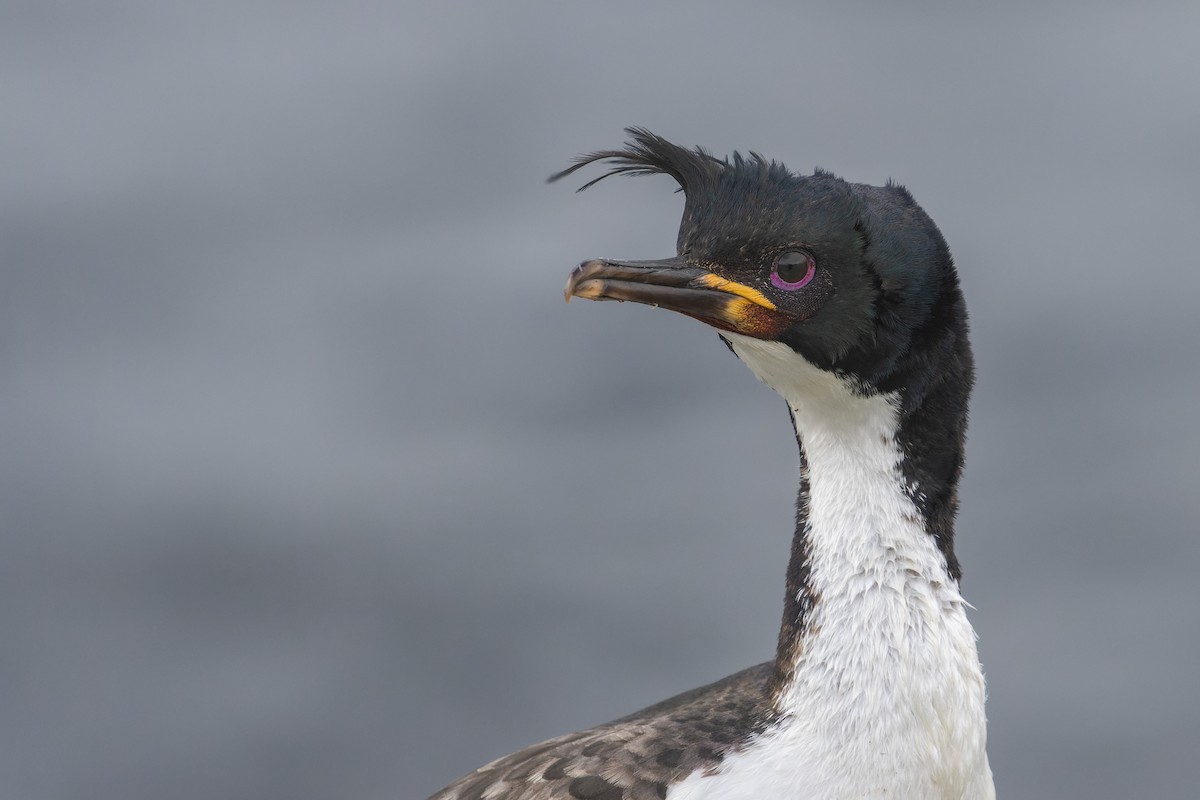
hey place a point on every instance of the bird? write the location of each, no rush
(844, 299)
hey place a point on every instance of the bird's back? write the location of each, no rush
(637, 757)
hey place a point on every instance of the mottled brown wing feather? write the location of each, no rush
(633, 758)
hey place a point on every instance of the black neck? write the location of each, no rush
(799, 596)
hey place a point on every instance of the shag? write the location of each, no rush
(843, 298)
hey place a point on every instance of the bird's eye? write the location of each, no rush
(793, 270)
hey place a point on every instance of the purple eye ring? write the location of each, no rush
(793, 270)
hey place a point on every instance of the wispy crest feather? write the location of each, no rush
(649, 154)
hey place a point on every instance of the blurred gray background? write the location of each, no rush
(312, 487)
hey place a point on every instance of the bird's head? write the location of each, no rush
(856, 279)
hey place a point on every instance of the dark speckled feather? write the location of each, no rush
(633, 758)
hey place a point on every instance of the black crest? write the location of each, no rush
(649, 154)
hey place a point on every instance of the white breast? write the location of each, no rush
(888, 694)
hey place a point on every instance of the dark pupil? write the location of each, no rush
(792, 267)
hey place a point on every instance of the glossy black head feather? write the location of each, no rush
(885, 307)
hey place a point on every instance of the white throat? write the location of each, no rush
(887, 695)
